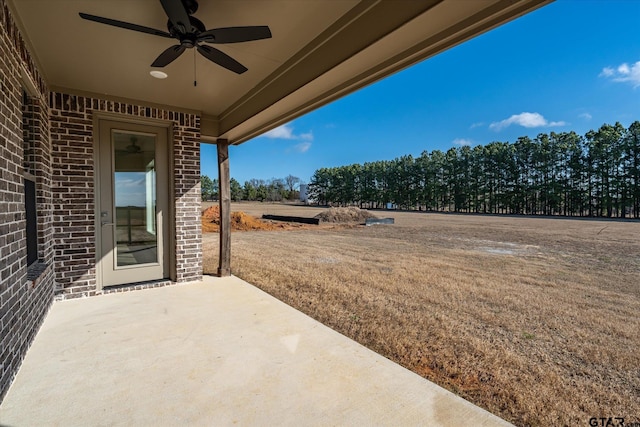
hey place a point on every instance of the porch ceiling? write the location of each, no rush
(320, 50)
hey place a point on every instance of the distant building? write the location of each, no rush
(304, 198)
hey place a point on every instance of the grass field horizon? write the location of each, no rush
(534, 319)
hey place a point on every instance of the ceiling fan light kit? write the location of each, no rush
(191, 33)
(158, 74)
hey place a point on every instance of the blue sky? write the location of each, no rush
(571, 65)
(130, 188)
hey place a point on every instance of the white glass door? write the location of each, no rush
(133, 203)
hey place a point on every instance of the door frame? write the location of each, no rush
(98, 118)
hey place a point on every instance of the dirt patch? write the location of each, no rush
(212, 213)
(241, 221)
(344, 215)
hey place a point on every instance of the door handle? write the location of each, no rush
(107, 223)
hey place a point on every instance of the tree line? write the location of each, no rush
(272, 190)
(597, 175)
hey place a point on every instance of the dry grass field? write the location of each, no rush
(535, 319)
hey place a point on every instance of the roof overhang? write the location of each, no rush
(320, 50)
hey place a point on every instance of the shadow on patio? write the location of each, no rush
(217, 352)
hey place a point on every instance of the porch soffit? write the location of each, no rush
(320, 50)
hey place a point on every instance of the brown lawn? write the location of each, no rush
(535, 319)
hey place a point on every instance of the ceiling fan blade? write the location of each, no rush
(178, 15)
(235, 34)
(222, 59)
(168, 56)
(125, 25)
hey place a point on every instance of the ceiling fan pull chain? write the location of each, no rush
(195, 82)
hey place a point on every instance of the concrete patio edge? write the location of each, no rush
(215, 352)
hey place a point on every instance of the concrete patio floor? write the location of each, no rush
(216, 352)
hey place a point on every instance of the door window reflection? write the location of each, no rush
(135, 199)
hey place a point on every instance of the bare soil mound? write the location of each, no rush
(240, 221)
(211, 213)
(344, 215)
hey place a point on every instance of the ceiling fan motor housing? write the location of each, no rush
(195, 23)
(191, 6)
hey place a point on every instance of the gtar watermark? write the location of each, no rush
(612, 422)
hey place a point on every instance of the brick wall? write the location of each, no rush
(73, 179)
(25, 293)
(50, 136)
(187, 195)
(73, 195)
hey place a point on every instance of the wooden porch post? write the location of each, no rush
(224, 197)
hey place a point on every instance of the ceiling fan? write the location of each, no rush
(132, 148)
(191, 32)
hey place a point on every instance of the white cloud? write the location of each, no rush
(462, 142)
(303, 147)
(286, 132)
(607, 72)
(128, 182)
(476, 125)
(625, 73)
(585, 116)
(527, 120)
(281, 132)
(306, 136)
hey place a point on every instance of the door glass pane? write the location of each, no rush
(135, 199)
